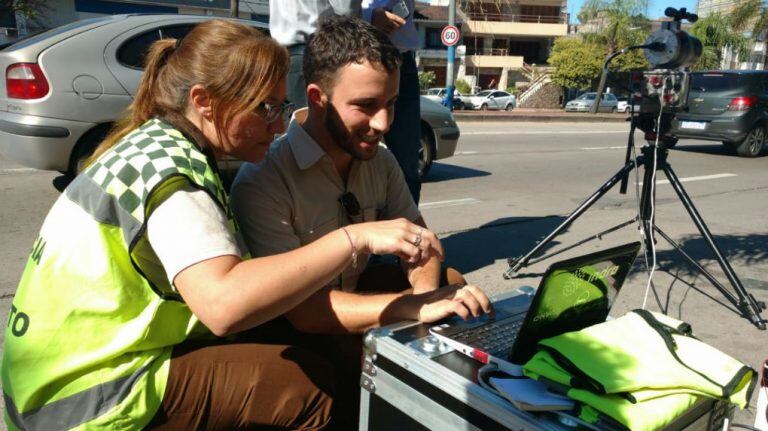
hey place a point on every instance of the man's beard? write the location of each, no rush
(341, 136)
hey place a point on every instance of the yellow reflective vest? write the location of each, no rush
(94, 318)
(641, 370)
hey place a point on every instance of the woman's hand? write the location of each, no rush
(410, 241)
(465, 301)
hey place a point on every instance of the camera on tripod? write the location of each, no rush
(663, 90)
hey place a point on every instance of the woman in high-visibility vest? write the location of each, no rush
(137, 275)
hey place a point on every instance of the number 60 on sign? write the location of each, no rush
(450, 35)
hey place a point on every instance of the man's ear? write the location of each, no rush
(200, 101)
(316, 96)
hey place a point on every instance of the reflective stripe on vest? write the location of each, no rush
(75, 409)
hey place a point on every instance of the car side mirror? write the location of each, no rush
(491, 97)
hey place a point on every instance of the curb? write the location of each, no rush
(540, 117)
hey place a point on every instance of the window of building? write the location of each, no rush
(432, 39)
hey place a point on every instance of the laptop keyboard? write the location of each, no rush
(495, 338)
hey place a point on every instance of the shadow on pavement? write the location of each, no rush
(498, 240)
(442, 172)
(740, 250)
(714, 148)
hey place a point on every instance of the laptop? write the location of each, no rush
(572, 295)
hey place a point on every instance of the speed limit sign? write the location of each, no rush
(450, 35)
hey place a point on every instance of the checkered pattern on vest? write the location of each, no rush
(146, 156)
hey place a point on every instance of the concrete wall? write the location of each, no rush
(515, 28)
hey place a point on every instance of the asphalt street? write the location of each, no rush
(510, 184)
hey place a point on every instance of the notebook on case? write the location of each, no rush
(572, 295)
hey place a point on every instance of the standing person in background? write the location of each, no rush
(395, 18)
(290, 22)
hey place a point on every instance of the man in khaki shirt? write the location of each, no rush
(326, 172)
(329, 171)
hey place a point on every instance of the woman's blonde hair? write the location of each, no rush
(237, 65)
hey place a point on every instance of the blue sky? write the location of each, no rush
(655, 7)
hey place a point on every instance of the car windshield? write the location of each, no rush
(484, 93)
(433, 92)
(714, 81)
(588, 96)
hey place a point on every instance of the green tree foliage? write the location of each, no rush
(717, 31)
(577, 62)
(426, 79)
(31, 9)
(620, 23)
(463, 87)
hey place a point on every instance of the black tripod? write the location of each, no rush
(653, 156)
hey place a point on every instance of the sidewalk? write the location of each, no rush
(543, 115)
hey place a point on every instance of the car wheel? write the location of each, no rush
(752, 143)
(426, 150)
(458, 106)
(484, 107)
(85, 147)
(613, 110)
(509, 107)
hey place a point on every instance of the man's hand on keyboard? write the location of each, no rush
(465, 301)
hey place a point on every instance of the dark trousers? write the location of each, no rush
(404, 137)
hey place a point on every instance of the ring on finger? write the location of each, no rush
(417, 241)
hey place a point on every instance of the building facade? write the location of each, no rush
(499, 38)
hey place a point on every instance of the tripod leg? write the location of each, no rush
(746, 302)
(647, 197)
(516, 264)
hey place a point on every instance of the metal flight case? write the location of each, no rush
(412, 382)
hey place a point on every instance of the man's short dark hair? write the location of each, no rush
(340, 41)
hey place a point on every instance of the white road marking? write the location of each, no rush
(19, 171)
(545, 132)
(464, 153)
(701, 178)
(450, 203)
(603, 148)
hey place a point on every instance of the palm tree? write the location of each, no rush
(623, 22)
(719, 33)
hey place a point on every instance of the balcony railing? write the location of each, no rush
(503, 17)
(488, 51)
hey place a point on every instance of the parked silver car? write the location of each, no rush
(583, 103)
(64, 88)
(490, 99)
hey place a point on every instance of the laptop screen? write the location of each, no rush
(572, 295)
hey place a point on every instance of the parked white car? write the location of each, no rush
(584, 103)
(438, 95)
(490, 99)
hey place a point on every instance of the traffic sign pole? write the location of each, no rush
(449, 84)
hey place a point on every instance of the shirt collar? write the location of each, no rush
(305, 150)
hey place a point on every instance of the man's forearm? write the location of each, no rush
(424, 278)
(337, 312)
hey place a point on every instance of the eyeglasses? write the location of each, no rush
(351, 206)
(270, 112)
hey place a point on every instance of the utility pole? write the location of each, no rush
(449, 84)
(234, 8)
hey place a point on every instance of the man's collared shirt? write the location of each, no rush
(291, 198)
